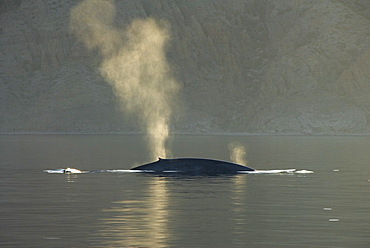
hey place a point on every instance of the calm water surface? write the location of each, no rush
(329, 208)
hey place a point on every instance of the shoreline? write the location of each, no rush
(185, 133)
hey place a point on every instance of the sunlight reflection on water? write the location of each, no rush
(141, 223)
(328, 208)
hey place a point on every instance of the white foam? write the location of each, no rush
(268, 171)
(333, 220)
(65, 171)
(288, 171)
(56, 171)
(304, 172)
(76, 171)
(72, 171)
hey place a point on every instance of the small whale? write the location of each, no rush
(196, 166)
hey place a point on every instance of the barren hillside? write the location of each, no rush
(270, 66)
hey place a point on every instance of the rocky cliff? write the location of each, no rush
(266, 66)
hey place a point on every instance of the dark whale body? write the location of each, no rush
(197, 166)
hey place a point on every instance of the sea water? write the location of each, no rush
(327, 208)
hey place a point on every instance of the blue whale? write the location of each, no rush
(197, 166)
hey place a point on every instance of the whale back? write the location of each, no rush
(196, 166)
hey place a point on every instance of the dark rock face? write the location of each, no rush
(196, 166)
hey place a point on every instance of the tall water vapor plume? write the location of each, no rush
(134, 63)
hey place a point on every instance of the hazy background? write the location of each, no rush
(264, 66)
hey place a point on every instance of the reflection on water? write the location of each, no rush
(136, 210)
(238, 199)
(70, 178)
(139, 223)
(178, 203)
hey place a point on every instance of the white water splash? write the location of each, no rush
(286, 171)
(66, 171)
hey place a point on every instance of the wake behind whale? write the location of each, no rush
(191, 166)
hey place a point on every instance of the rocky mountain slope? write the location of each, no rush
(266, 66)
